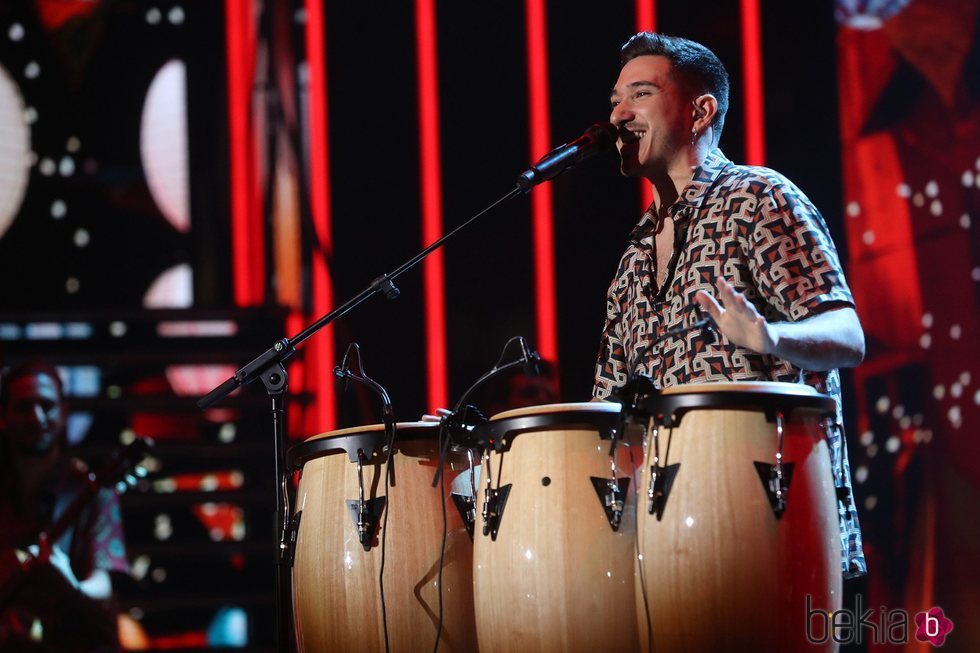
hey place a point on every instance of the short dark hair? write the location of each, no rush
(696, 65)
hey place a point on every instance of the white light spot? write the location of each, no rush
(30, 115)
(73, 144)
(893, 444)
(299, 16)
(955, 332)
(608, 574)
(348, 561)
(976, 397)
(639, 556)
(117, 329)
(66, 166)
(905, 422)
(72, 285)
(159, 575)
(867, 438)
(883, 404)
(872, 451)
(209, 483)
(853, 209)
(216, 534)
(127, 436)
(689, 521)
(861, 474)
(936, 208)
(47, 167)
(898, 411)
(153, 16)
(903, 190)
(965, 221)
(176, 15)
(32, 70)
(955, 416)
(58, 209)
(236, 478)
(977, 163)
(965, 377)
(918, 200)
(939, 391)
(975, 274)
(967, 178)
(528, 554)
(932, 189)
(868, 237)
(82, 238)
(16, 32)
(227, 432)
(956, 391)
(162, 527)
(927, 320)
(870, 502)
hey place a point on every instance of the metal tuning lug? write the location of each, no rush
(612, 497)
(776, 478)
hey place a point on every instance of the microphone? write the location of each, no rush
(595, 139)
(530, 358)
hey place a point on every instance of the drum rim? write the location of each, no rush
(599, 407)
(351, 439)
(370, 428)
(783, 388)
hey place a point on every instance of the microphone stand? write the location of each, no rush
(268, 367)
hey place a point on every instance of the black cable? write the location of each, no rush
(445, 532)
(389, 463)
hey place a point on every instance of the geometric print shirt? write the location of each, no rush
(758, 230)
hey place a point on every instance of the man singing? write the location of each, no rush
(742, 244)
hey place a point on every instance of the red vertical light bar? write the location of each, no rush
(431, 172)
(646, 21)
(321, 346)
(248, 260)
(755, 136)
(541, 199)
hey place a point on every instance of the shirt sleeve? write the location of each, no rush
(792, 257)
(611, 366)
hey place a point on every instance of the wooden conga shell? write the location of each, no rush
(336, 600)
(557, 577)
(720, 570)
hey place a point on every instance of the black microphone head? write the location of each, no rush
(340, 383)
(530, 357)
(603, 134)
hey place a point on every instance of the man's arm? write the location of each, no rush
(824, 341)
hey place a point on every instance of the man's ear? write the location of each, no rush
(704, 111)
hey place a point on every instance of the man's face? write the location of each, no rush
(34, 413)
(653, 114)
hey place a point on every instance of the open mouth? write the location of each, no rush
(627, 136)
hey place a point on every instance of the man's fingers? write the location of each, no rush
(708, 304)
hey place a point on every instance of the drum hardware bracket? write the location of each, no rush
(612, 496)
(293, 534)
(776, 487)
(467, 511)
(366, 515)
(493, 509)
(661, 482)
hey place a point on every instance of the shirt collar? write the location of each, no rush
(694, 193)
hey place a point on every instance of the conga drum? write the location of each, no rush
(554, 537)
(339, 520)
(737, 525)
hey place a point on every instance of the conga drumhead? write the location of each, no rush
(554, 575)
(336, 597)
(720, 570)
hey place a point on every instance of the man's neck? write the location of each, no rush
(669, 182)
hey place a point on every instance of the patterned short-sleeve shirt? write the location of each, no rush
(758, 230)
